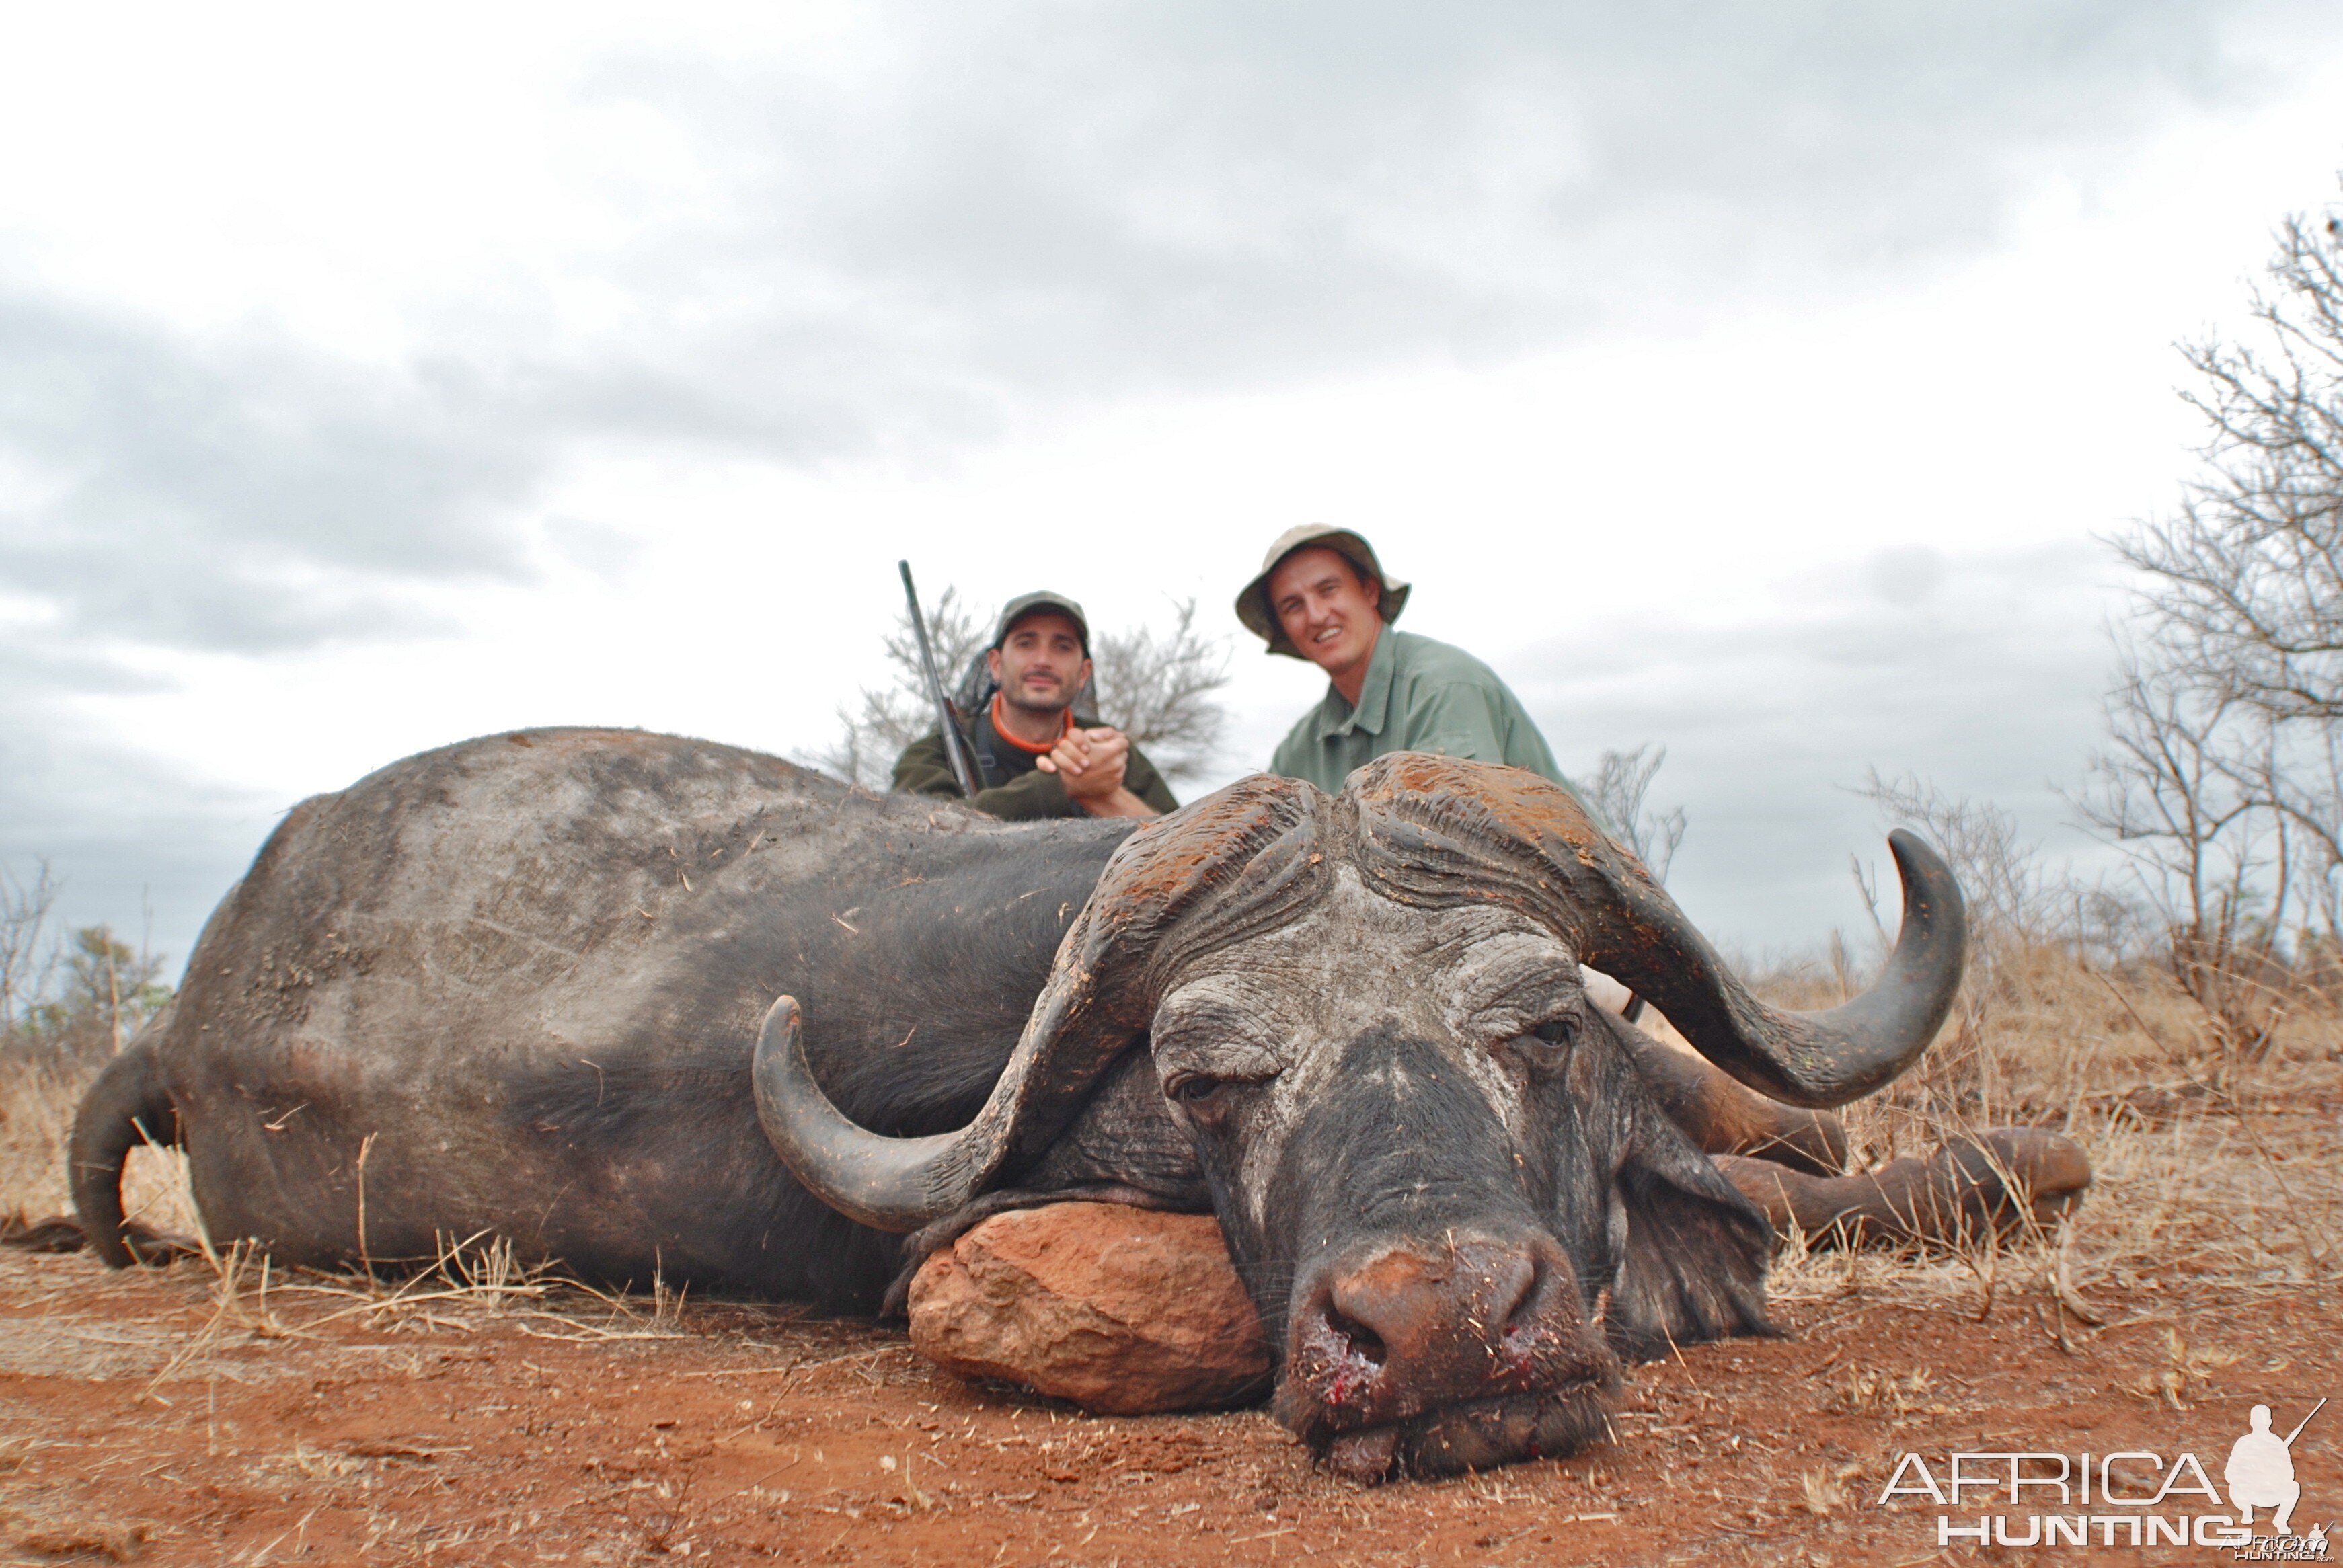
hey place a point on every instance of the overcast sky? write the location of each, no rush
(1752, 380)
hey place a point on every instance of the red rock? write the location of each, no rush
(1122, 1311)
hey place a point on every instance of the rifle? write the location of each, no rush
(955, 744)
(2303, 1422)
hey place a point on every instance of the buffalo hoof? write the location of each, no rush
(1997, 1184)
(1122, 1311)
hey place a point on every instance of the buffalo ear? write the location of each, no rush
(1696, 1254)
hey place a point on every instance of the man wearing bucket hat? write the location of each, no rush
(1033, 759)
(1322, 595)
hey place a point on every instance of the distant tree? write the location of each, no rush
(1617, 791)
(2192, 785)
(86, 994)
(1155, 685)
(109, 983)
(25, 909)
(885, 719)
(2246, 582)
(1157, 688)
(2220, 776)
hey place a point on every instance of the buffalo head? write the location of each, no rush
(1452, 1199)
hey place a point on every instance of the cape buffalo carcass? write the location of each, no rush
(528, 985)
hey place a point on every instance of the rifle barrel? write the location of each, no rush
(955, 748)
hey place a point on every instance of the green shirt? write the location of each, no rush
(1017, 790)
(1420, 696)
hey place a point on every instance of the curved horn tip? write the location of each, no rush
(1910, 846)
(1927, 876)
(1882, 1032)
(784, 1013)
(895, 1184)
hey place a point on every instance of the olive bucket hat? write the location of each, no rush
(1253, 606)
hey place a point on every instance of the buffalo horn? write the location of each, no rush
(1443, 830)
(1227, 864)
(889, 1183)
(1817, 1060)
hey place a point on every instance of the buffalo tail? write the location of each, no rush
(127, 1107)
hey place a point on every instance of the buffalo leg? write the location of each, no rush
(1724, 1116)
(1996, 1183)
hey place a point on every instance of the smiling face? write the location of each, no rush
(1040, 665)
(1328, 613)
(1420, 1140)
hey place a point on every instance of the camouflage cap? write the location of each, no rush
(1253, 606)
(1027, 604)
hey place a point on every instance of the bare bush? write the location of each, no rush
(2013, 899)
(2219, 777)
(889, 718)
(1154, 685)
(24, 910)
(2188, 786)
(80, 994)
(2203, 1165)
(1618, 792)
(1157, 688)
(2247, 578)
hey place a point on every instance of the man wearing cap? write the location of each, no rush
(1322, 595)
(1033, 759)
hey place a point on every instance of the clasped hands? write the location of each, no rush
(1090, 761)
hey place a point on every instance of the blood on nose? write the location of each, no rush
(1447, 1320)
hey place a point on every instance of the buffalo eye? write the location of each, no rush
(1550, 1041)
(1201, 1094)
(1559, 1032)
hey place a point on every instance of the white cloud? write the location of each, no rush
(1750, 383)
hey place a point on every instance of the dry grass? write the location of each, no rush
(38, 1099)
(2208, 1170)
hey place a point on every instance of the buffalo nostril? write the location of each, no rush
(1386, 1309)
(1518, 1287)
(1355, 1337)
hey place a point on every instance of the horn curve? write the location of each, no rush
(887, 1183)
(1437, 830)
(1227, 864)
(1816, 1059)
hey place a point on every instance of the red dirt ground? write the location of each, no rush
(747, 1435)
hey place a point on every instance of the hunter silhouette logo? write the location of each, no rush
(2260, 1472)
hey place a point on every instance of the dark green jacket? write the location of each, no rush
(1014, 788)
